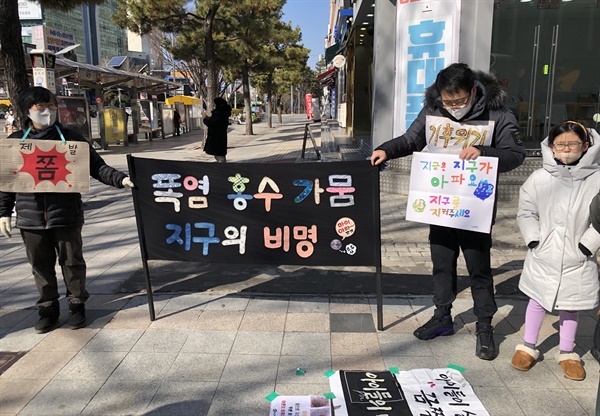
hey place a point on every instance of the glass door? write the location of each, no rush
(546, 53)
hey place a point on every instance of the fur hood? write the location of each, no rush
(490, 93)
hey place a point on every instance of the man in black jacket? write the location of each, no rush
(461, 101)
(50, 223)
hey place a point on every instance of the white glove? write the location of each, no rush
(5, 226)
(127, 182)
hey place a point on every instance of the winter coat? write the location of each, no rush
(488, 106)
(554, 209)
(595, 212)
(216, 139)
(42, 210)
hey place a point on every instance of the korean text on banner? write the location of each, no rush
(441, 391)
(256, 213)
(447, 191)
(427, 38)
(44, 166)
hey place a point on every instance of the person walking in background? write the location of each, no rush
(464, 99)
(176, 122)
(560, 272)
(11, 123)
(51, 223)
(217, 124)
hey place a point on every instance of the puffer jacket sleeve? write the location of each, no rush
(7, 203)
(103, 172)
(412, 141)
(528, 218)
(510, 154)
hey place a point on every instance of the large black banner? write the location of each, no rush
(308, 213)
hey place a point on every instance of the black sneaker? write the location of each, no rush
(48, 318)
(435, 327)
(76, 315)
(486, 347)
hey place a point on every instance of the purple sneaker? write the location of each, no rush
(435, 327)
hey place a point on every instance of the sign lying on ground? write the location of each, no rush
(455, 193)
(44, 166)
(442, 391)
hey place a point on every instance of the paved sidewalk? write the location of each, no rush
(225, 339)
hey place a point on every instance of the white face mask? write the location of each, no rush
(44, 118)
(460, 113)
(568, 158)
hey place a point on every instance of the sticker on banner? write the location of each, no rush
(345, 227)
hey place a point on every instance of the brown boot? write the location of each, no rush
(524, 357)
(571, 365)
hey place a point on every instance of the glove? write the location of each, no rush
(5, 226)
(127, 182)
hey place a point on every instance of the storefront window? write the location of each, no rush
(545, 52)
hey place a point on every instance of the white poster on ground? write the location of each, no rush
(445, 190)
(427, 40)
(441, 391)
(300, 406)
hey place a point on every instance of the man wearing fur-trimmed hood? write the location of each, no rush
(462, 98)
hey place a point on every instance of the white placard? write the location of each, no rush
(300, 405)
(447, 191)
(427, 40)
(447, 136)
(442, 391)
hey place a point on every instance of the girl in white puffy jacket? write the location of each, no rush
(560, 271)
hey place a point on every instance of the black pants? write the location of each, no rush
(445, 244)
(43, 248)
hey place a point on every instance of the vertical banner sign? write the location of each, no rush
(114, 125)
(145, 121)
(44, 166)
(309, 213)
(427, 35)
(445, 190)
(308, 104)
(442, 391)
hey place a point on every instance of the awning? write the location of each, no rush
(187, 100)
(93, 76)
(331, 52)
(326, 76)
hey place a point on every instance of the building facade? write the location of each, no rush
(90, 26)
(545, 52)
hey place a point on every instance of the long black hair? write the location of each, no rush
(221, 105)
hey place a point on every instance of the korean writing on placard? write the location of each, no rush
(446, 190)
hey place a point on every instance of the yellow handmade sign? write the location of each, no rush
(44, 166)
